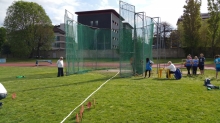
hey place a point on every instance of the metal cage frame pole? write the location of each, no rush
(157, 24)
(130, 15)
(135, 40)
(120, 37)
(67, 19)
(143, 33)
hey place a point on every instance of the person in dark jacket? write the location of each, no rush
(201, 63)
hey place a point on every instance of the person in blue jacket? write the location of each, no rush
(217, 65)
(195, 63)
(149, 64)
(188, 64)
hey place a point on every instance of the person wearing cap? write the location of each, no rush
(3, 93)
(60, 66)
(171, 68)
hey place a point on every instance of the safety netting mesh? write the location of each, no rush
(136, 37)
(90, 48)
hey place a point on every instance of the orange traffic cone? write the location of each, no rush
(89, 105)
(13, 96)
(77, 118)
(81, 112)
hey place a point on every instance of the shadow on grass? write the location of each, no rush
(152, 78)
(164, 79)
(29, 77)
(70, 84)
(139, 78)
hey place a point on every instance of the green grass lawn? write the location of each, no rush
(41, 97)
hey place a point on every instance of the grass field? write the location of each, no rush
(41, 97)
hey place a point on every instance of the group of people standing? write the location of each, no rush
(190, 64)
(193, 64)
(199, 62)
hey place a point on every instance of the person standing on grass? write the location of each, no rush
(3, 93)
(171, 68)
(149, 64)
(188, 64)
(195, 63)
(60, 66)
(217, 65)
(201, 63)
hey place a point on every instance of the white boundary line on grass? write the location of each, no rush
(88, 98)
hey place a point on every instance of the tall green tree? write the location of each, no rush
(166, 30)
(28, 28)
(6, 49)
(204, 37)
(174, 39)
(181, 34)
(213, 9)
(44, 36)
(192, 24)
(2, 37)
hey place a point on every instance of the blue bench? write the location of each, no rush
(2, 60)
(48, 61)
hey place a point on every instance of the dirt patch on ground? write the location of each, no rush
(109, 64)
(109, 70)
(26, 64)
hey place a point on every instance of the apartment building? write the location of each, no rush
(58, 47)
(103, 19)
(204, 16)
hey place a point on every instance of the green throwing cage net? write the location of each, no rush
(90, 48)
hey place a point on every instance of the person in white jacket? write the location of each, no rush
(171, 67)
(3, 93)
(60, 66)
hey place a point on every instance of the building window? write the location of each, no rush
(97, 23)
(113, 38)
(57, 38)
(91, 23)
(57, 45)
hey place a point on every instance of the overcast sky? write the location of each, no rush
(167, 10)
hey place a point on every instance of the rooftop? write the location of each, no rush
(58, 30)
(203, 16)
(99, 12)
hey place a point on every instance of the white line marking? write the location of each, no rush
(88, 98)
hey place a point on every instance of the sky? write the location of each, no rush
(168, 10)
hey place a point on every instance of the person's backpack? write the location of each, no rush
(178, 74)
(208, 84)
(207, 81)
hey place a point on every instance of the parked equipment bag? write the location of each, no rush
(178, 74)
